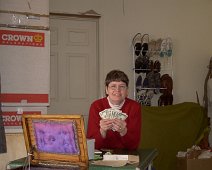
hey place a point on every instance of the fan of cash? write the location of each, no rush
(113, 114)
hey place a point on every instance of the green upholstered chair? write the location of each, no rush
(172, 128)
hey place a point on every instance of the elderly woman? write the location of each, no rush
(115, 120)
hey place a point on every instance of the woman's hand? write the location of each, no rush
(105, 124)
(120, 126)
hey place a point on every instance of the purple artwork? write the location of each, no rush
(56, 137)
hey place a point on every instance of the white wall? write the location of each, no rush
(188, 23)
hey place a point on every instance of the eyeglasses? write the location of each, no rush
(120, 87)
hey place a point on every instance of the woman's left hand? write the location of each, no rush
(120, 126)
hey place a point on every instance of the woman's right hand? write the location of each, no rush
(105, 124)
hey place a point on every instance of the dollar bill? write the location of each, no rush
(113, 114)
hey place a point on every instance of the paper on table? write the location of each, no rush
(113, 157)
(132, 159)
(110, 163)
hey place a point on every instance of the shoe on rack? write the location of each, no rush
(166, 83)
(149, 97)
(136, 42)
(137, 49)
(150, 66)
(158, 46)
(145, 83)
(157, 66)
(145, 64)
(152, 48)
(163, 47)
(157, 83)
(139, 83)
(151, 79)
(145, 42)
(169, 46)
(138, 65)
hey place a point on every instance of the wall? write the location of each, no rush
(186, 22)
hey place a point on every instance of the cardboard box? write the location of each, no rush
(194, 164)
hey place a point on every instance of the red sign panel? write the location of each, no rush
(30, 98)
(22, 38)
(14, 119)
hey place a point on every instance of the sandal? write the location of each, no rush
(138, 65)
(145, 41)
(139, 83)
(163, 47)
(169, 46)
(157, 46)
(137, 44)
(157, 66)
(152, 48)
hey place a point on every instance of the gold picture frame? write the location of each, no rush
(57, 140)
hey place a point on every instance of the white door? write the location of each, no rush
(74, 65)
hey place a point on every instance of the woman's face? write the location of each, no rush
(117, 91)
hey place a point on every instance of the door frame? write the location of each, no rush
(91, 17)
(84, 17)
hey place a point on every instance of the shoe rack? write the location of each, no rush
(152, 66)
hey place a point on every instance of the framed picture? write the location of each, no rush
(55, 139)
